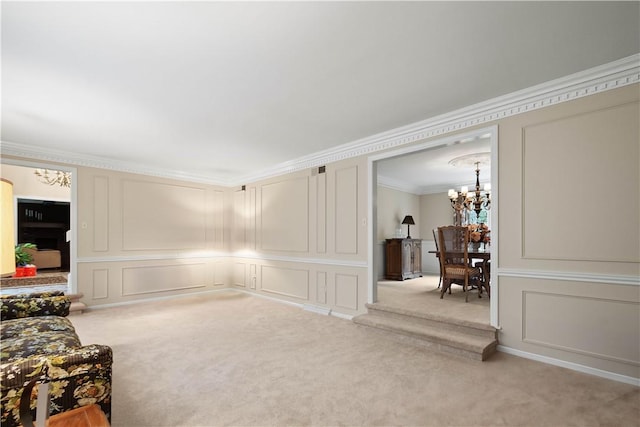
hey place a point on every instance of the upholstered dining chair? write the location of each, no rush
(454, 260)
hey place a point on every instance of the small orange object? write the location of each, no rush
(84, 416)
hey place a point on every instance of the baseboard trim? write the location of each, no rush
(308, 307)
(326, 311)
(570, 365)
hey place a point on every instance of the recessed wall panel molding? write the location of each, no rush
(252, 276)
(599, 327)
(321, 287)
(251, 219)
(154, 279)
(100, 214)
(240, 275)
(159, 216)
(321, 214)
(218, 219)
(239, 229)
(581, 187)
(288, 282)
(346, 210)
(100, 284)
(284, 214)
(346, 291)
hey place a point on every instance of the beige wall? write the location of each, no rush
(26, 184)
(569, 238)
(566, 272)
(393, 206)
(145, 237)
(302, 237)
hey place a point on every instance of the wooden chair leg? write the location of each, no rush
(466, 285)
(445, 284)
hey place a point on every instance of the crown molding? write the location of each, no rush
(595, 80)
(45, 154)
(598, 79)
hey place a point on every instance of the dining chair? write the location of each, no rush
(454, 260)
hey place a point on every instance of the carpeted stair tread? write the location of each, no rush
(465, 344)
(429, 316)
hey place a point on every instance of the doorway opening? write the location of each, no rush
(416, 181)
(45, 215)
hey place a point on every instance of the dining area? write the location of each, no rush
(464, 257)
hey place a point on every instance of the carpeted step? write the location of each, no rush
(474, 342)
(434, 320)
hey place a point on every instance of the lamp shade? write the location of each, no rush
(7, 239)
(408, 220)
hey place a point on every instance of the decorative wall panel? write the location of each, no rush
(218, 219)
(285, 215)
(154, 279)
(599, 333)
(251, 219)
(346, 210)
(580, 187)
(240, 275)
(321, 216)
(162, 216)
(321, 287)
(100, 213)
(285, 281)
(238, 236)
(347, 291)
(100, 284)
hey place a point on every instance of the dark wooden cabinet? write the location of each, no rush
(403, 259)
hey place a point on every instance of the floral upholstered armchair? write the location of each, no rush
(37, 341)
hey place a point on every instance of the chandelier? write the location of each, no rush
(466, 200)
(61, 178)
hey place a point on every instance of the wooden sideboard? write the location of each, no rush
(403, 259)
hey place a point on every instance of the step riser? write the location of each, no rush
(444, 325)
(460, 341)
(433, 346)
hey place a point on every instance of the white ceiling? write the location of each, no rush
(225, 90)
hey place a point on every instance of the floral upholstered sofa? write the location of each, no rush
(39, 342)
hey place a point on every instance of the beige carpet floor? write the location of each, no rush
(422, 295)
(231, 359)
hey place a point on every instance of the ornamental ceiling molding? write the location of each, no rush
(613, 75)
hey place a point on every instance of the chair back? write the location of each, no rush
(453, 245)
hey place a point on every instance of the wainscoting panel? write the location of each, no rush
(599, 334)
(100, 283)
(346, 291)
(321, 287)
(100, 213)
(240, 275)
(285, 281)
(581, 322)
(591, 154)
(154, 279)
(346, 210)
(252, 276)
(162, 216)
(285, 215)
